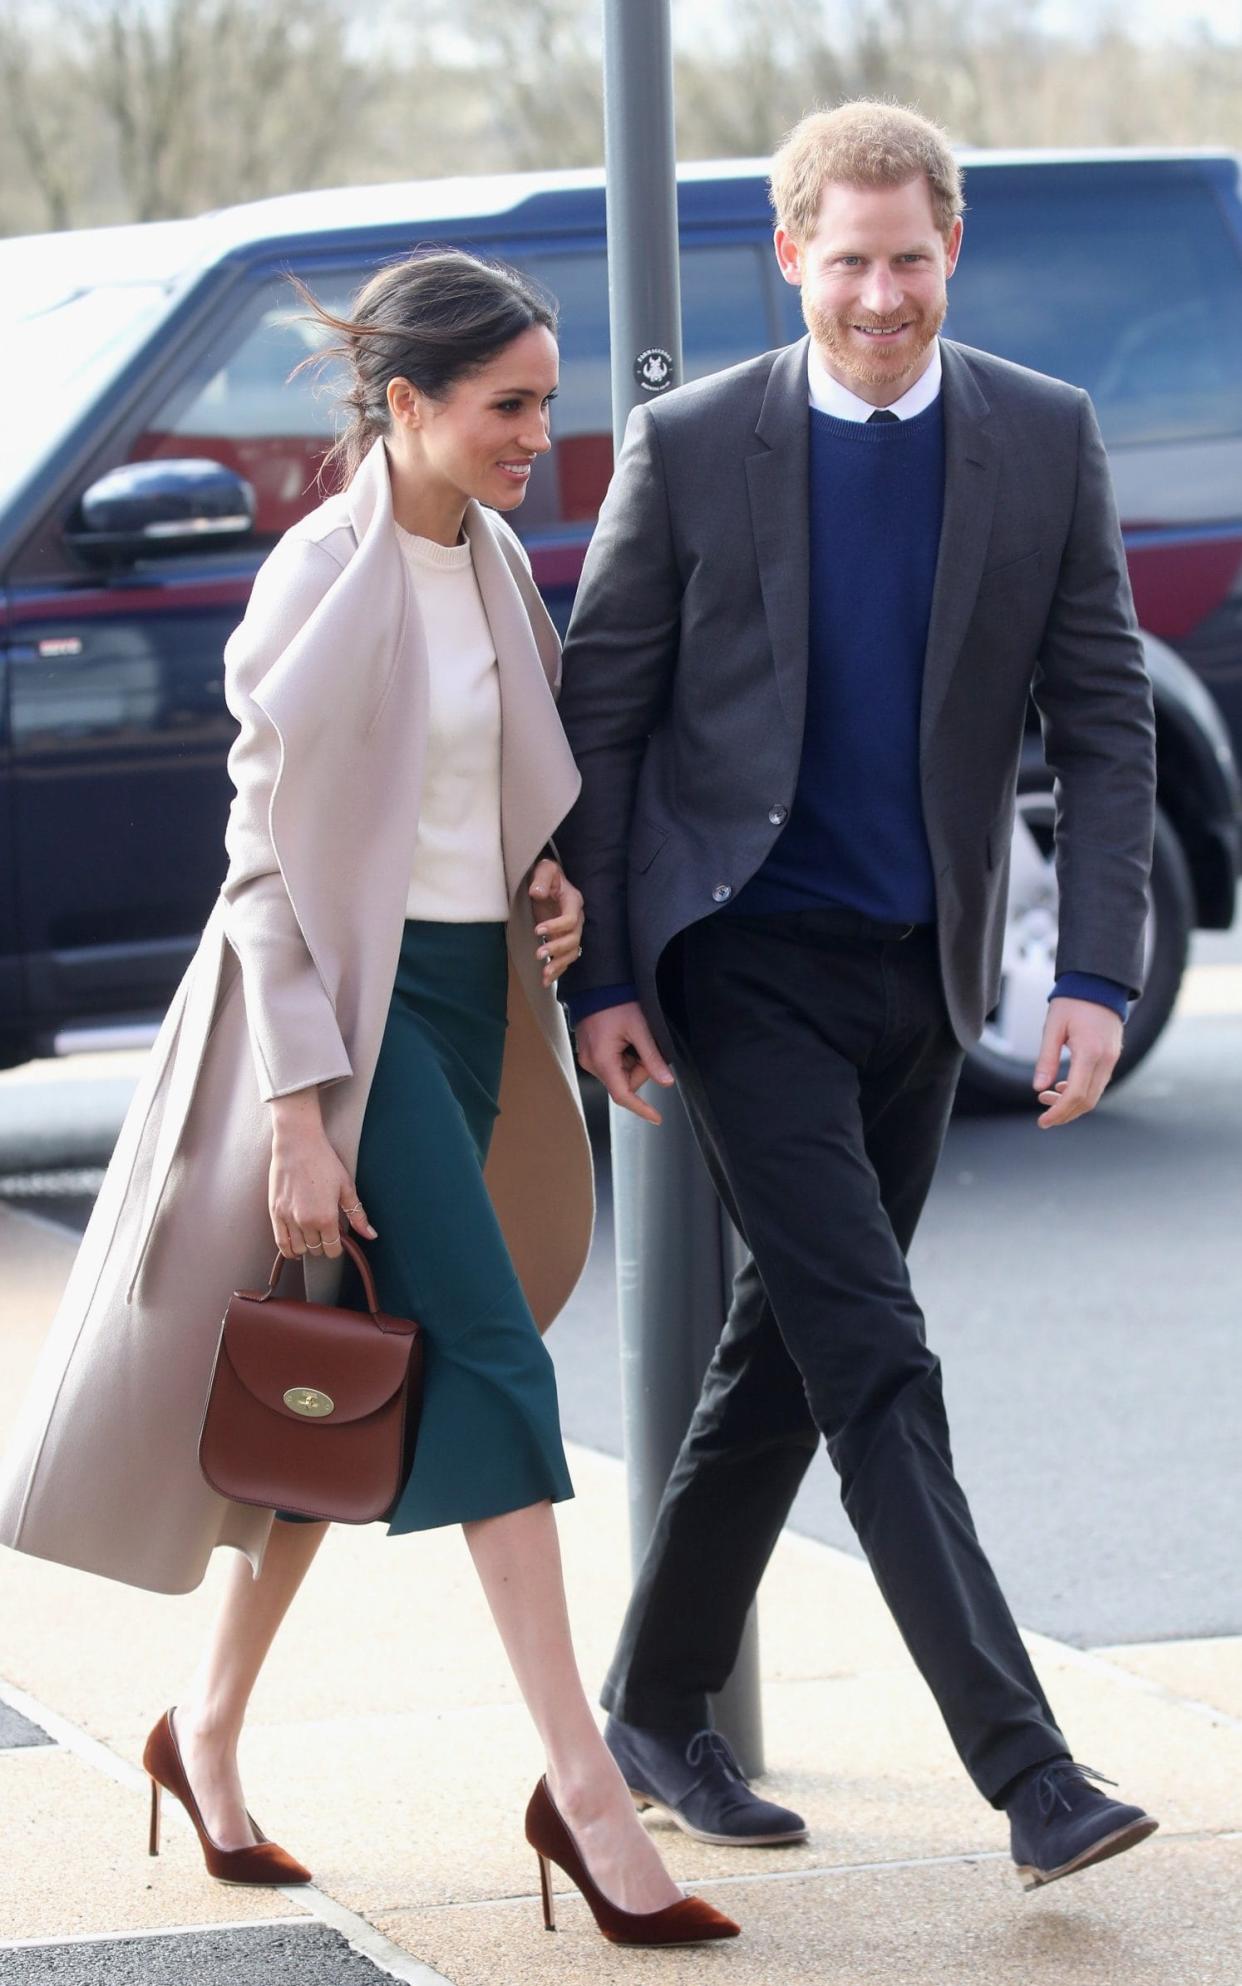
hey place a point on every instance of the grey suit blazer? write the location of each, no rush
(684, 686)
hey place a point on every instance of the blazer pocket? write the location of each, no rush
(1012, 570)
(646, 841)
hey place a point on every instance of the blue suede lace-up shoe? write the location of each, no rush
(699, 1784)
(1059, 1823)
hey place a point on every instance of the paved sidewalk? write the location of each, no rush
(388, 1749)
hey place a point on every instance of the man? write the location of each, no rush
(823, 587)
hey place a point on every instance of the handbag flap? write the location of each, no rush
(278, 1348)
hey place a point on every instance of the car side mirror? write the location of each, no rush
(144, 510)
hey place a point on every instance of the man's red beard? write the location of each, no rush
(831, 332)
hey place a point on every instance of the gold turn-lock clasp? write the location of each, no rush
(310, 1401)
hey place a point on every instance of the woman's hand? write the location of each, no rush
(558, 906)
(308, 1188)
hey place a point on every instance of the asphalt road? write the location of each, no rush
(307, 1954)
(1083, 1290)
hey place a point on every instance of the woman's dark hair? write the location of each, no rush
(432, 318)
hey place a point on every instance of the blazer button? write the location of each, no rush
(722, 893)
(778, 815)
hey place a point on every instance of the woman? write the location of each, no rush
(398, 771)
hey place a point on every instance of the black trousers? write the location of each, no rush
(815, 1058)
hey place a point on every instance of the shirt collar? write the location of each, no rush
(830, 397)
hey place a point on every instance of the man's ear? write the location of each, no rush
(953, 247)
(788, 257)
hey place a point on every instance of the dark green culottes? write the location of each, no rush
(489, 1439)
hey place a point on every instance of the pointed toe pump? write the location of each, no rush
(263, 1863)
(689, 1922)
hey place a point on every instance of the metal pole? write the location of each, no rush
(676, 1251)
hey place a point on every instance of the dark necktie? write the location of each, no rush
(883, 414)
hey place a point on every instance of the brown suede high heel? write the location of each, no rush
(264, 1863)
(688, 1922)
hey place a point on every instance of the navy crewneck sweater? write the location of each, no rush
(855, 835)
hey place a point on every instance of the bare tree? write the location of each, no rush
(137, 109)
(734, 99)
(218, 100)
(41, 178)
(182, 104)
(536, 66)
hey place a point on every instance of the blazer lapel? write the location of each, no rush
(970, 471)
(539, 781)
(777, 479)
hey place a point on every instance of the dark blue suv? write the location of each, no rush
(171, 344)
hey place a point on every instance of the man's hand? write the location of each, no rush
(617, 1046)
(1093, 1036)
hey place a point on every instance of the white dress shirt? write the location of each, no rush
(831, 397)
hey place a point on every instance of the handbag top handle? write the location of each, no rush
(355, 1255)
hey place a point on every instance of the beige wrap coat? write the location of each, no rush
(327, 677)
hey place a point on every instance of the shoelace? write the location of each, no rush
(710, 1744)
(1048, 1792)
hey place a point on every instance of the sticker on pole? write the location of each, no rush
(653, 370)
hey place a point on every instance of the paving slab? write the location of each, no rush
(1165, 1915)
(1207, 1671)
(75, 1858)
(388, 1624)
(400, 1809)
(388, 1748)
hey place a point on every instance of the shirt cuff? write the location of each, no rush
(1093, 986)
(579, 1005)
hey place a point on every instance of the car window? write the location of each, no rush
(238, 406)
(63, 344)
(725, 318)
(1129, 286)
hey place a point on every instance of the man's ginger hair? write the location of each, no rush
(862, 144)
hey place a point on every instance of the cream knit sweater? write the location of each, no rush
(458, 875)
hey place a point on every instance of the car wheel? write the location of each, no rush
(998, 1069)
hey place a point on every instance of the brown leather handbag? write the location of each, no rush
(312, 1409)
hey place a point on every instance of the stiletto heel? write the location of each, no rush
(545, 1887)
(689, 1921)
(264, 1864)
